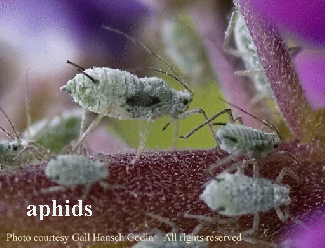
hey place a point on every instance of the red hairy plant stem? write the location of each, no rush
(279, 69)
(165, 183)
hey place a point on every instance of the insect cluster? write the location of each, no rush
(123, 95)
(236, 194)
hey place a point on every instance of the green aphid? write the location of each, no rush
(58, 132)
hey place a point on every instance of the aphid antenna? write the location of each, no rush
(12, 126)
(262, 121)
(7, 134)
(219, 123)
(82, 70)
(176, 76)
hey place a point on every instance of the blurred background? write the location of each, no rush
(38, 37)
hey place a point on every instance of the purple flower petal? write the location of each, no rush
(303, 18)
(311, 67)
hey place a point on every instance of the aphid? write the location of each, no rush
(235, 195)
(246, 50)
(18, 151)
(56, 133)
(120, 94)
(72, 170)
(181, 44)
(238, 139)
(172, 239)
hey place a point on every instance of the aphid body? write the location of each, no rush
(241, 140)
(56, 133)
(122, 95)
(238, 139)
(246, 50)
(70, 170)
(237, 194)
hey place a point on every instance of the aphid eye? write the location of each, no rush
(185, 101)
(221, 209)
(275, 146)
(15, 148)
(56, 178)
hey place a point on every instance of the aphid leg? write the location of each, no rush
(223, 162)
(209, 220)
(176, 129)
(86, 191)
(208, 121)
(204, 220)
(255, 168)
(240, 166)
(256, 223)
(282, 216)
(285, 171)
(193, 112)
(91, 126)
(110, 186)
(286, 153)
(63, 188)
(143, 138)
(164, 220)
(83, 122)
(52, 189)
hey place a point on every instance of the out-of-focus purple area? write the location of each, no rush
(38, 37)
(302, 18)
(313, 237)
(311, 67)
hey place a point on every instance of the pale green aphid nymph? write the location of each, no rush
(235, 195)
(72, 170)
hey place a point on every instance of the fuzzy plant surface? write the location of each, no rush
(168, 183)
